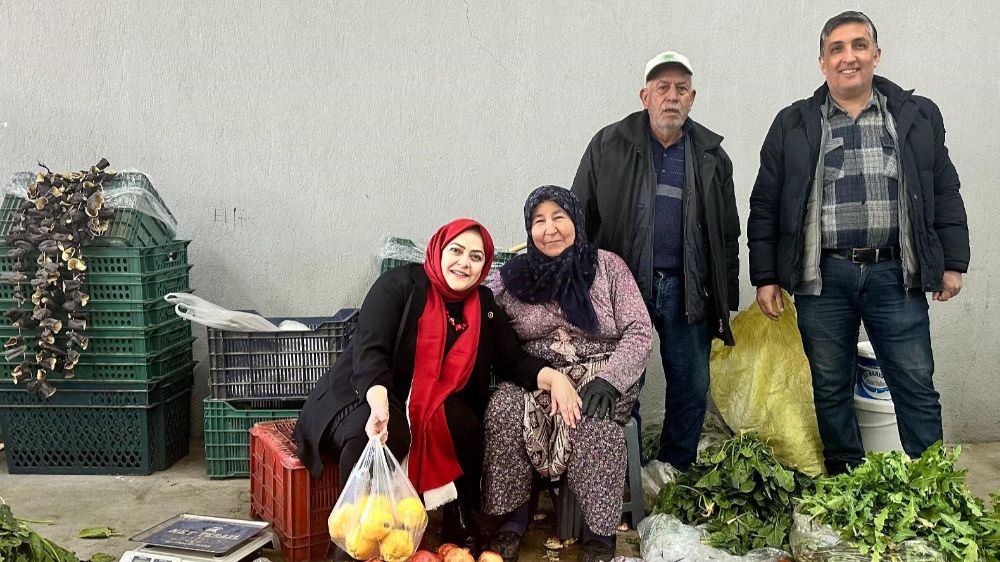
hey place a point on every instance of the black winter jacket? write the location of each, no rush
(382, 350)
(787, 171)
(616, 186)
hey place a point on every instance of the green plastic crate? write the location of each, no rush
(117, 314)
(134, 261)
(129, 341)
(121, 367)
(128, 227)
(499, 258)
(97, 430)
(227, 434)
(106, 287)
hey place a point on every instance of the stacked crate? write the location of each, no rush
(127, 408)
(401, 251)
(262, 376)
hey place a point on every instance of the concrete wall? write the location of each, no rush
(290, 137)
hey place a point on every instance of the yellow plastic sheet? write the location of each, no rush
(763, 385)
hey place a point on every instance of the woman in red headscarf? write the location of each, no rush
(417, 374)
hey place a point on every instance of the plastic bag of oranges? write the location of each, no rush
(378, 514)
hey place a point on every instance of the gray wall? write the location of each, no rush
(325, 126)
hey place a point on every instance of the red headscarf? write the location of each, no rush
(436, 376)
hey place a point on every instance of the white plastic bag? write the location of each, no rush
(378, 514)
(201, 311)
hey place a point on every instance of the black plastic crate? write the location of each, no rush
(95, 428)
(268, 366)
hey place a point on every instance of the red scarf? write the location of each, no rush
(436, 376)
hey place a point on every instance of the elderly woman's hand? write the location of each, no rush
(565, 400)
(599, 398)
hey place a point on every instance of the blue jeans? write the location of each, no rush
(899, 329)
(684, 349)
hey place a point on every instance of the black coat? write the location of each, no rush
(616, 186)
(787, 171)
(382, 350)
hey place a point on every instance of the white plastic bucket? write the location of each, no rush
(877, 420)
(871, 383)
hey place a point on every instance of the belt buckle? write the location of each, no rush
(858, 255)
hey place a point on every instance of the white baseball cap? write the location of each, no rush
(667, 57)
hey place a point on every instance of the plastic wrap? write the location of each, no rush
(814, 542)
(764, 385)
(399, 251)
(378, 514)
(129, 189)
(655, 475)
(663, 538)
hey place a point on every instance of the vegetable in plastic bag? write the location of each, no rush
(378, 514)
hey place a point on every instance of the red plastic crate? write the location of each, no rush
(284, 494)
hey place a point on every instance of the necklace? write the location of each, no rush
(459, 326)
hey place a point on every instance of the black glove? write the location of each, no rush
(598, 398)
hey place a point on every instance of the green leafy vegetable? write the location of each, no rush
(96, 533)
(891, 499)
(742, 494)
(18, 543)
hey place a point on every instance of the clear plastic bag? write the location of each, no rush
(378, 514)
(815, 542)
(664, 538)
(129, 189)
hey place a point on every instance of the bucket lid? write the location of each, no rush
(874, 405)
(866, 350)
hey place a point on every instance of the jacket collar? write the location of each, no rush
(897, 99)
(895, 96)
(635, 129)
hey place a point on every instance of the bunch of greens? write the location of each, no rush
(891, 499)
(18, 543)
(740, 492)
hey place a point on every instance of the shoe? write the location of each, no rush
(458, 526)
(506, 544)
(597, 551)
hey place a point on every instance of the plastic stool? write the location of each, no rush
(569, 516)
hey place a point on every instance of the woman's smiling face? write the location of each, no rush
(463, 259)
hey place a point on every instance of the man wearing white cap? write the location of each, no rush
(657, 189)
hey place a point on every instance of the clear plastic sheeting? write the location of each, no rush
(814, 542)
(400, 251)
(764, 385)
(655, 475)
(129, 189)
(663, 538)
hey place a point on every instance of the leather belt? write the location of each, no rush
(864, 255)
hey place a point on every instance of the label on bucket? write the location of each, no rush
(871, 383)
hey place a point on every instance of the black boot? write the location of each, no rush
(458, 526)
(507, 544)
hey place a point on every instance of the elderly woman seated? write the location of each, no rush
(578, 308)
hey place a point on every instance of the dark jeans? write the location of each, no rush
(899, 329)
(684, 349)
